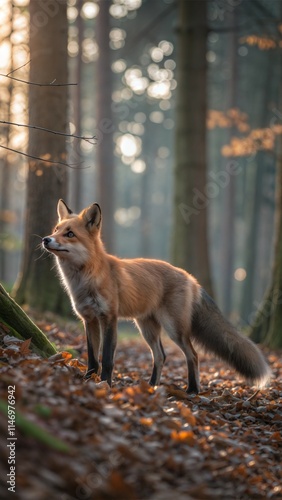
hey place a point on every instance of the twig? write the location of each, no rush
(85, 138)
(51, 84)
(253, 395)
(43, 159)
(20, 67)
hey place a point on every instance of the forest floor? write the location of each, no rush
(81, 440)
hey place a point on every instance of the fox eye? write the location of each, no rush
(70, 234)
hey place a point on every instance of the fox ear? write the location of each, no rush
(93, 216)
(63, 210)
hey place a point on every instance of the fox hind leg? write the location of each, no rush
(193, 369)
(192, 363)
(150, 329)
(179, 333)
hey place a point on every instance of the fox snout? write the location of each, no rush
(53, 246)
(46, 241)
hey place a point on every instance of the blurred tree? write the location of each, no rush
(267, 327)
(105, 153)
(256, 176)
(5, 167)
(77, 95)
(228, 215)
(190, 238)
(37, 284)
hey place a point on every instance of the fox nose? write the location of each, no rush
(46, 241)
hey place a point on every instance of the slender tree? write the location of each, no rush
(267, 326)
(257, 177)
(105, 156)
(37, 284)
(190, 234)
(77, 96)
(228, 233)
(5, 167)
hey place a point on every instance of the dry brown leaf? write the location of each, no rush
(24, 347)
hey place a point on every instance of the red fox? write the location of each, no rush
(157, 295)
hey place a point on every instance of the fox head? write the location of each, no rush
(73, 239)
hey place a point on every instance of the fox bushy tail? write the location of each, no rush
(216, 335)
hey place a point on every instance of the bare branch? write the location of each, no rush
(43, 159)
(20, 67)
(51, 84)
(89, 139)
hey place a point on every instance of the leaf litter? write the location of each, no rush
(80, 439)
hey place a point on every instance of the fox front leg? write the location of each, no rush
(93, 336)
(109, 331)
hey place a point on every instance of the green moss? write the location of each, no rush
(22, 327)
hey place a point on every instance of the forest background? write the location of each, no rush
(111, 76)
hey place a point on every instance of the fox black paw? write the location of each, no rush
(192, 390)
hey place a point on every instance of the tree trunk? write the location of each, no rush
(77, 96)
(229, 215)
(190, 235)
(267, 327)
(254, 202)
(255, 198)
(18, 324)
(105, 156)
(37, 284)
(6, 167)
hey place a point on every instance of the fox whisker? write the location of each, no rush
(41, 257)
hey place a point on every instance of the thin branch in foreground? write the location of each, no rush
(51, 84)
(43, 159)
(20, 67)
(89, 139)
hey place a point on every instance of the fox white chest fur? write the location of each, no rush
(86, 299)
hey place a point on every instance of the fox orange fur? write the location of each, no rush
(103, 288)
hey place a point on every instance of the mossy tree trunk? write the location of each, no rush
(19, 325)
